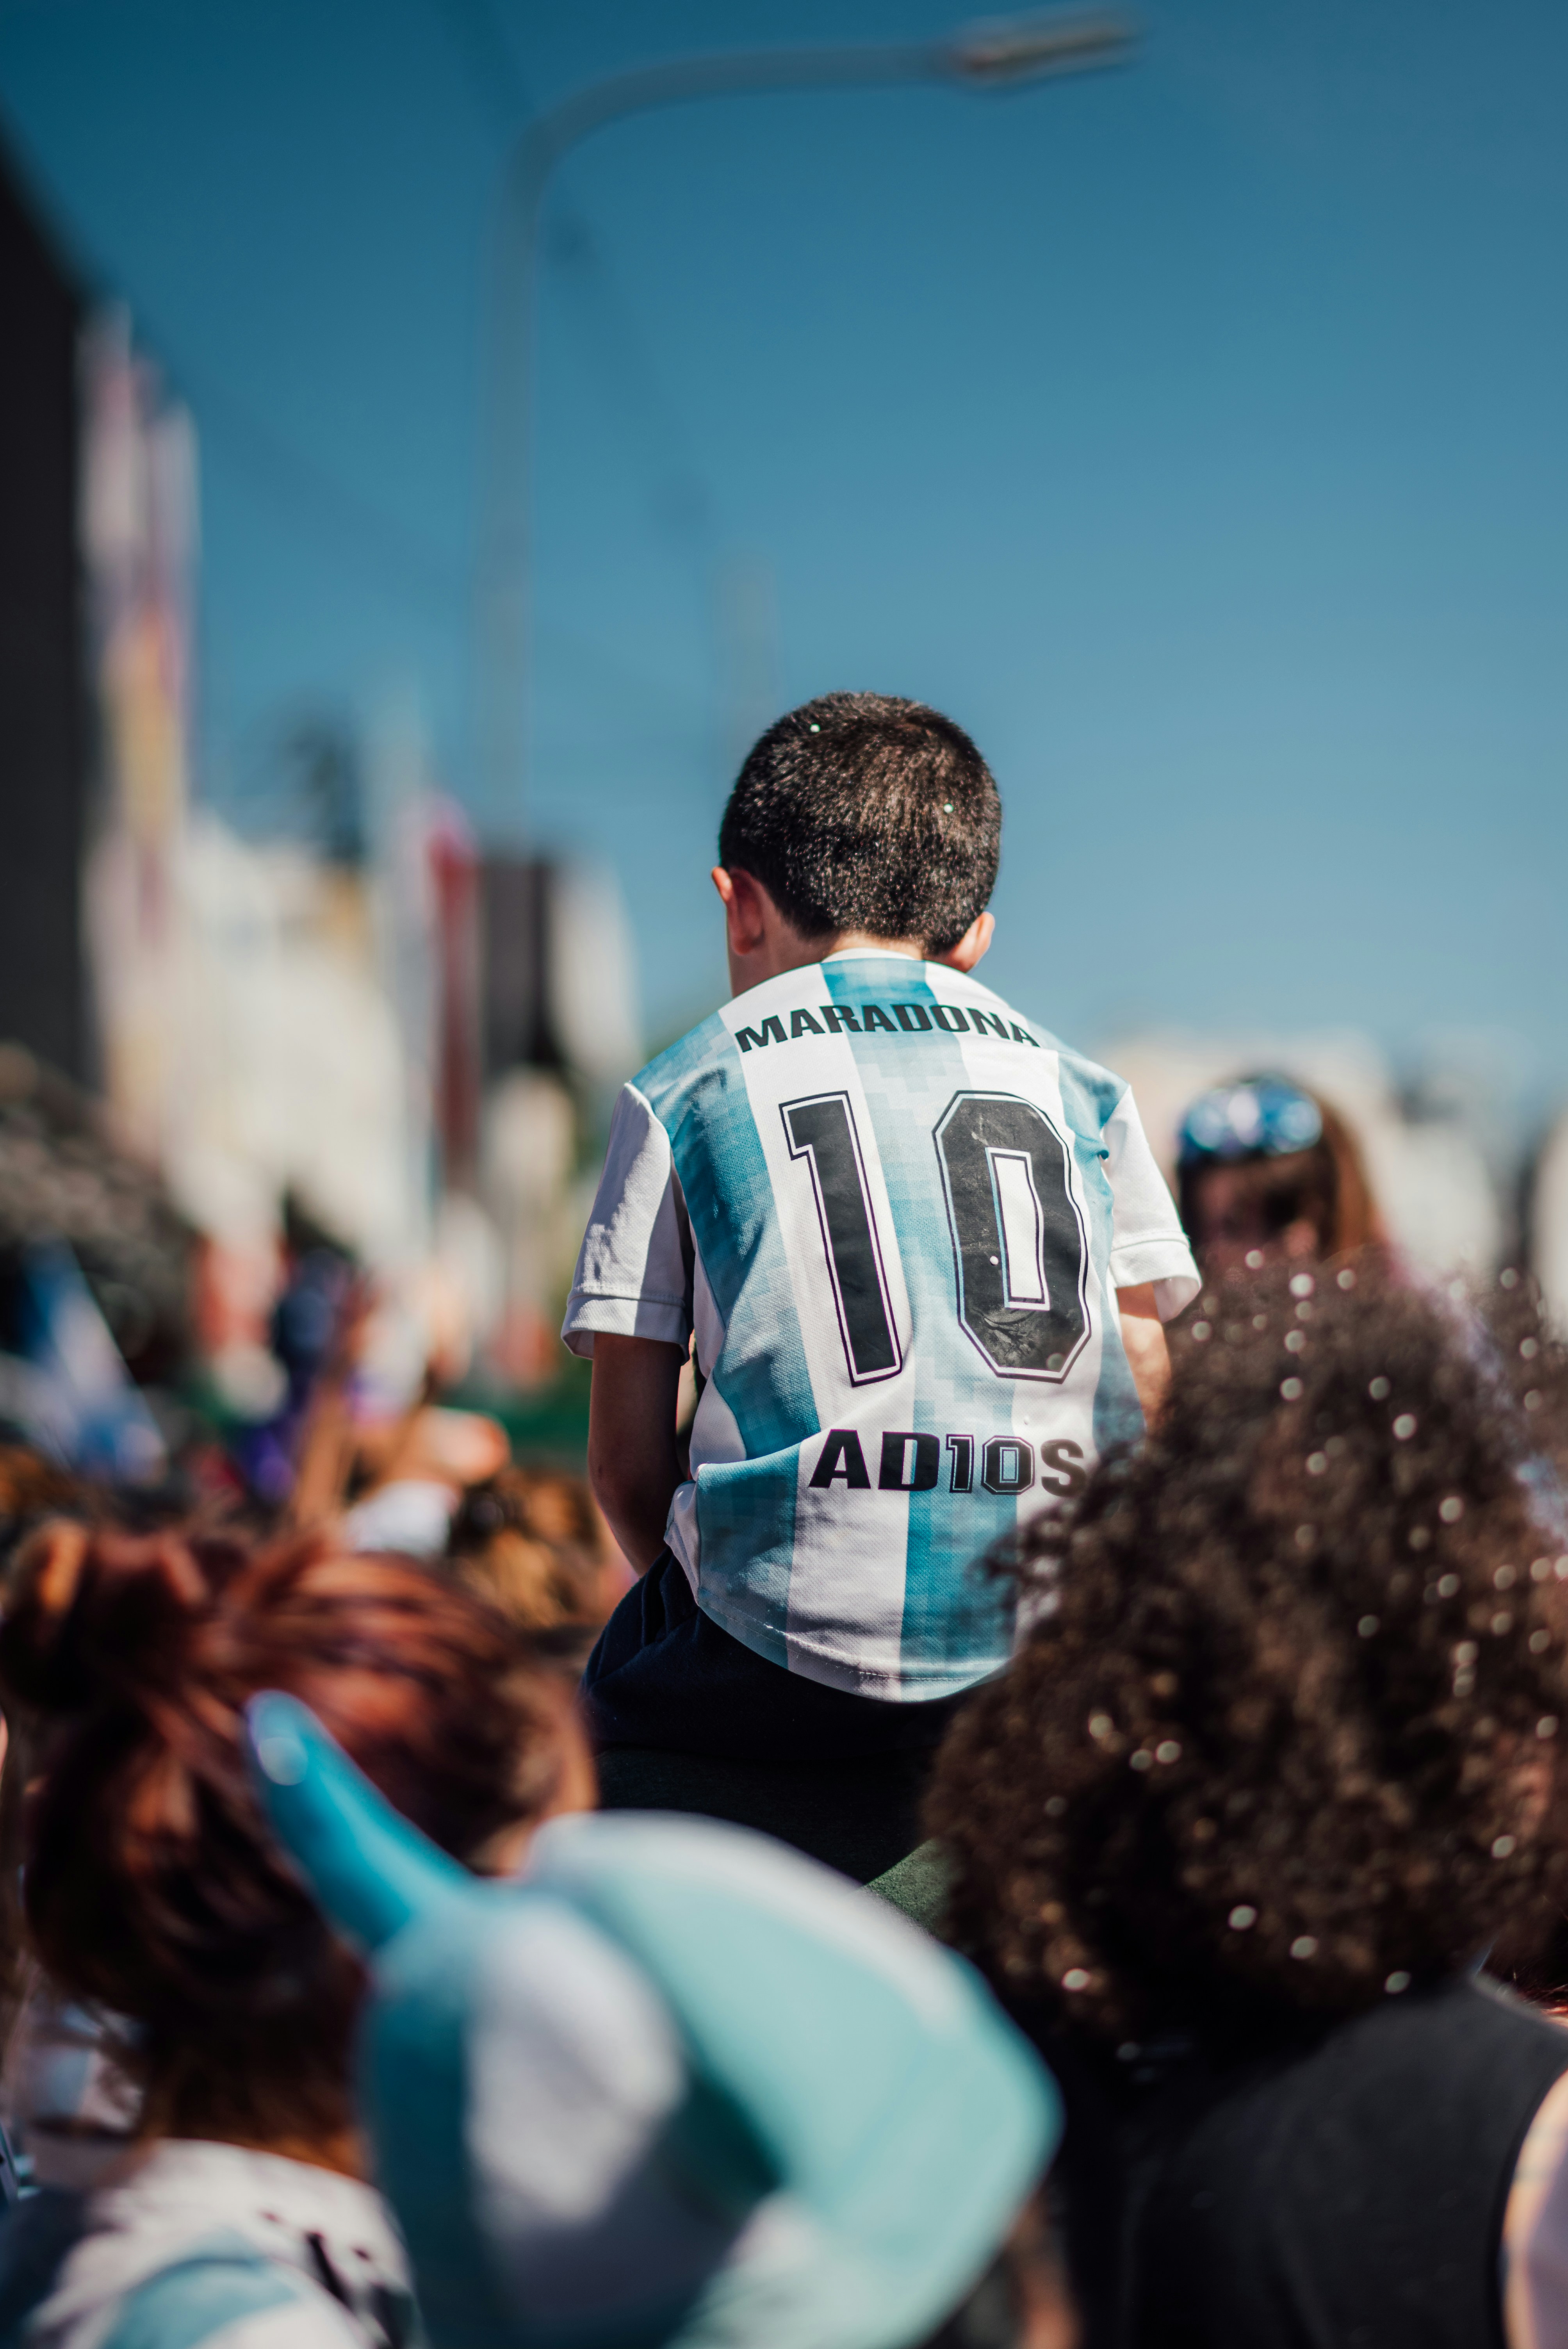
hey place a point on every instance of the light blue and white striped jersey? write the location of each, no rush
(895, 1215)
(207, 2246)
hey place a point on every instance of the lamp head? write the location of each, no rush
(1001, 51)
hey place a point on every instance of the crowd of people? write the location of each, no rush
(1044, 1827)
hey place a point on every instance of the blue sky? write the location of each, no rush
(1193, 433)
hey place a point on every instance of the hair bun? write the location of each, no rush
(91, 1615)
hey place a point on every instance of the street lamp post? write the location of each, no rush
(992, 56)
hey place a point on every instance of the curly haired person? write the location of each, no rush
(1278, 1761)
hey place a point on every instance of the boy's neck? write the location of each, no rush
(811, 950)
(784, 950)
(763, 944)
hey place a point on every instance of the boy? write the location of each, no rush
(924, 1250)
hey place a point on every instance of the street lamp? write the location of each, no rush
(1000, 54)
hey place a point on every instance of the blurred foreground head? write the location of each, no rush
(152, 1884)
(678, 2087)
(1289, 1730)
(1267, 1172)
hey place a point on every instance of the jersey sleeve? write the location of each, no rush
(634, 1276)
(1147, 1242)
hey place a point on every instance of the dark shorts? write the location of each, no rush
(665, 1676)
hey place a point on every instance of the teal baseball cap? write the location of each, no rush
(672, 2085)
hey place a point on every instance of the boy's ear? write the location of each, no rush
(971, 946)
(746, 904)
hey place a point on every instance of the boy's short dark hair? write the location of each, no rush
(862, 811)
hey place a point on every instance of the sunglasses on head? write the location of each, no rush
(1261, 1117)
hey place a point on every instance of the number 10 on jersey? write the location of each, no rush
(1018, 1247)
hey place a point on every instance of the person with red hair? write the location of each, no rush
(675, 2085)
(155, 1896)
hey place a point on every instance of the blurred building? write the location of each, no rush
(560, 1033)
(366, 1026)
(139, 538)
(1547, 1222)
(95, 1261)
(44, 739)
(289, 1056)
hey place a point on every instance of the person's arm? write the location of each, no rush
(1151, 1262)
(1535, 2278)
(324, 1460)
(1148, 1355)
(633, 1465)
(629, 1312)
